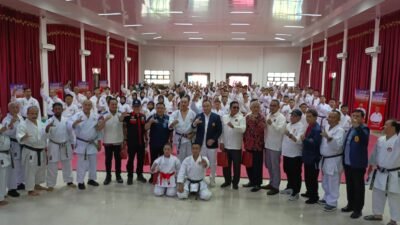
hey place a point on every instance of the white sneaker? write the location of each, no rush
(286, 192)
(294, 197)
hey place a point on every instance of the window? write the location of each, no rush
(243, 78)
(157, 76)
(201, 78)
(281, 79)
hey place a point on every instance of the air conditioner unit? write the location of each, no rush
(309, 61)
(128, 59)
(342, 55)
(48, 47)
(110, 56)
(85, 52)
(373, 51)
(322, 59)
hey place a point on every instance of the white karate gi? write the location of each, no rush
(70, 110)
(386, 184)
(59, 150)
(49, 102)
(182, 128)
(345, 122)
(323, 111)
(34, 162)
(332, 167)
(25, 103)
(167, 166)
(5, 163)
(193, 170)
(77, 99)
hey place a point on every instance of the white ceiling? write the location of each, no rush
(212, 19)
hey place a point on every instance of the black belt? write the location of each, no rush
(37, 150)
(180, 139)
(195, 182)
(86, 141)
(13, 140)
(328, 157)
(60, 145)
(382, 170)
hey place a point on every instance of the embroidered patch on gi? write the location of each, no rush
(389, 149)
(357, 139)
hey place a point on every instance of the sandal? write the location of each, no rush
(374, 218)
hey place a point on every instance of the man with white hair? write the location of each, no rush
(5, 162)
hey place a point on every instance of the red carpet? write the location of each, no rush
(101, 165)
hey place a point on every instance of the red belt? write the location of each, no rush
(165, 176)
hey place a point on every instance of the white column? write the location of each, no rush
(126, 62)
(374, 61)
(44, 66)
(324, 64)
(108, 59)
(83, 61)
(343, 70)
(310, 66)
(218, 76)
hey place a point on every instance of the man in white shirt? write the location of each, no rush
(32, 135)
(59, 148)
(78, 98)
(26, 102)
(292, 154)
(69, 107)
(95, 99)
(5, 162)
(273, 136)
(376, 117)
(49, 100)
(331, 162)
(345, 119)
(191, 176)
(113, 138)
(323, 110)
(234, 126)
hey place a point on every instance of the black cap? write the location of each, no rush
(296, 112)
(136, 103)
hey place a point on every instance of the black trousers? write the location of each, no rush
(132, 151)
(355, 187)
(156, 152)
(235, 158)
(110, 150)
(255, 173)
(311, 173)
(292, 168)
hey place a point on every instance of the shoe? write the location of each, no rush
(255, 188)
(248, 185)
(392, 222)
(13, 193)
(235, 186)
(346, 209)
(321, 202)
(81, 186)
(294, 197)
(287, 191)
(141, 179)
(151, 180)
(273, 191)
(33, 193)
(3, 203)
(311, 201)
(329, 208)
(120, 180)
(107, 181)
(266, 187)
(40, 188)
(93, 183)
(355, 215)
(305, 195)
(71, 185)
(224, 185)
(373, 218)
(50, 189)
(21, 186)
(130, 181)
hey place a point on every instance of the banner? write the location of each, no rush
(361, 100)
(58, 88)
(378, 107)
(83, 86)
(19, 90)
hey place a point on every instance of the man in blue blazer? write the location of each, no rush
(355, 160)
(311, 156)
(209, 129)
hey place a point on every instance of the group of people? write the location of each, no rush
(265, 124)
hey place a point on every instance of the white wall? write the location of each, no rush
(219, 60)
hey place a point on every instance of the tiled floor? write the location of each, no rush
(118, 204)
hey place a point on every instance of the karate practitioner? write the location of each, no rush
(26, 102)
(191, 175)
(5, 162)
(49, 99)
(165, 169)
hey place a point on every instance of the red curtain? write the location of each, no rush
(19, 53)
(388, 74)
(133, 65)
(97, 45)
(358, 68)
(65, 61)
(316, 68)
(117, 65)
(304, 67)
(333, 65)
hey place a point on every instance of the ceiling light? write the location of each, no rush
(149, 33)
(110, 14)
(241, 12)
(241, 39)
(283, 35)
(307, 14)
(238, 32)
(183, 24)
(240, 24)
(280, 39)
(191, 32)
(290, 26)
(195, 38)
(133, 25)
(159, 37)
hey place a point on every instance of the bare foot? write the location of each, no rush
(50, 189)
(3, 203)
(33, 193)
(40, 188)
